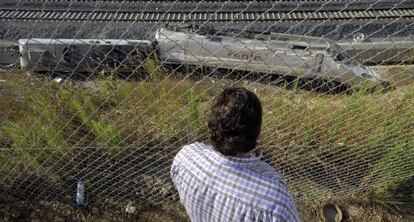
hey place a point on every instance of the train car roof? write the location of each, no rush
(311, 41)
(83, 41)
(292, 39)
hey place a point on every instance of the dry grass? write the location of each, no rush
(324, 144)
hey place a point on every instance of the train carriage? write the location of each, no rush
(82, 55)
(271, 53)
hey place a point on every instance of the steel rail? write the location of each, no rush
(182, 1)
(124, 16)
(209, 6)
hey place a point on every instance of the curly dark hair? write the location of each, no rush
(235, 121)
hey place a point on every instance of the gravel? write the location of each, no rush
(210, 6)
(14, 30)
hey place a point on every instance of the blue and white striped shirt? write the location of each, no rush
(214, 187)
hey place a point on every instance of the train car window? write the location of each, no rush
(344, 58)
(279, 38)
(215, 39)
(339, 57)
(262, 37)
(298, 47)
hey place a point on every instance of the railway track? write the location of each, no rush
(125, 16)
(184, 0)
(180, 6)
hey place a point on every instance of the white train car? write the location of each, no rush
(282, 54)
(271, 54)
(81, 55)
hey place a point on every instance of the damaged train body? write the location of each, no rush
(272, 53)
(267, 54)
(82, 55)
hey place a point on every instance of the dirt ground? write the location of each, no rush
(351, 210)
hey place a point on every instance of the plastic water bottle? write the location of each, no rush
(80, 194)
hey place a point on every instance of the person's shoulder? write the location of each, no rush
(189, 150)
(263, 169)
(193, 147)
(266, 173)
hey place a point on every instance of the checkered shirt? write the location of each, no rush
(213, 187)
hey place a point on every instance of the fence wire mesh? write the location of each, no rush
(106, 92)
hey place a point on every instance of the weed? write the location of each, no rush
(106, 134)
(154, 70)
(320, 141)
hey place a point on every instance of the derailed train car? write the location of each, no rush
(271, 53)
(82, 55)
(310, 58)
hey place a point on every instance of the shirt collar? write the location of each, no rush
(237, 162)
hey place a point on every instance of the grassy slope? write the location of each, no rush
(325, 145)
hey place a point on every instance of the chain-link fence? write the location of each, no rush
(104, 94)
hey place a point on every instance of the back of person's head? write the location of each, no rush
(235, 121)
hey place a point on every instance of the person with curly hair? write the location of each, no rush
(225, 180)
